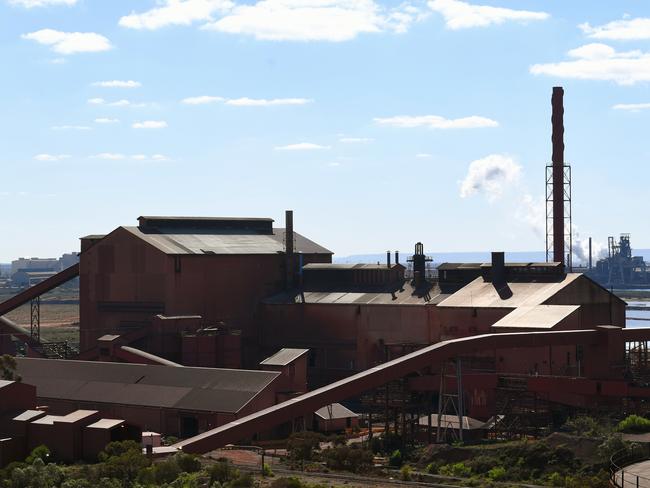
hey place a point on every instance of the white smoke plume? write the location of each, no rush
(490, 175)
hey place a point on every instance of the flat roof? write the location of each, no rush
(451, 422)
(146, 385)
(335, 411)
(483, 294)
(536, 316)
(70, 418)
(284, 356)
(28, 415)
(106, 424)
(342, 267)
(173, 242)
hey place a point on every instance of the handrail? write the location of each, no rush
(626, 457)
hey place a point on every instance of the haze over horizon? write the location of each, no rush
(380, 123)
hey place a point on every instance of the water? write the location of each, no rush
(638, 314)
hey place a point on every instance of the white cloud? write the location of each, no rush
(202, 100)
(463, 15)
(118, 103)
(57, 61)
(70, 42)
(106, 120)
(301, 146)
(41, 3)
(150, 124)
(600, 62)
(355, 140)
(423, 155)
(490, 175)
(51, 157)
(96, 101)
(175, 12)
(70, 127)
(619, 30)
(436, 122)
(632, 107)
(118, 84)
(109, 156)
(153, 157)
(322, 20)
(262, 102)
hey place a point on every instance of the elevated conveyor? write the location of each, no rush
(374, 377)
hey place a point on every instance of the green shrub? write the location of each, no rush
(405, 473)
(40, 452)
(267, 471)
(431, 468)
(634, 424)
(585, 426)
(556, 479)
(290, 482)
(166, 471)
(395, 459)
(457, 470)
(222, 472)
(301, 445)
(188, 463)
(348, 458)
(122, 460)
(497, 473)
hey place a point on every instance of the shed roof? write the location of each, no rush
(284, 357)
(198, 389)
(347, 266)
(335, 411)
(451, 421)
(483, 294)
(536, 316)
(174, 242)
(106, 424)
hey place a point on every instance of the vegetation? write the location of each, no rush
(8, 367)
(634, 424)
(346, 458)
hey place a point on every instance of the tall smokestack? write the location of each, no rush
(557, 120)
(388, 259)
(590, 262)
(498, 268)
(288, 231)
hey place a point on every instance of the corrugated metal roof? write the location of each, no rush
(225, 243)
(335, 411)
(336, 266)
(284, 357)
(406, 295)
(201, 389)
(536, 316)
(451, 422)
(483, 294)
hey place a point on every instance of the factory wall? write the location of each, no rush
(125, 282)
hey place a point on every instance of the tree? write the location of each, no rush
(8, 368)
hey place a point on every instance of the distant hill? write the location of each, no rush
(5, 269)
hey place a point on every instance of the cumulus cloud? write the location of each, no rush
(325, 20)
(423, 155)
(202, 100)
(51, 157)
(106, 120)
(632, 107)
(109, 156)
(70, 42)
(436, 122)
(118, 84)
(490, 176)
(619, 30)
(175, 12)
(118, 103)
(41, 3)
(70, 127)
(150, 124)
(598, 61)
(301, 146)
(355, 140)
(463, 15)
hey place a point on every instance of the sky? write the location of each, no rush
(379, 123)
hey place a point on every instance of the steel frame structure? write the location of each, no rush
(568, 232)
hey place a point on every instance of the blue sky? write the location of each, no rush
(379, 123)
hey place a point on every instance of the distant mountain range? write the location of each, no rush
(462, 257)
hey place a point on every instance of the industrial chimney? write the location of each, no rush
(288, 246)
(557, 120)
